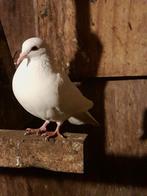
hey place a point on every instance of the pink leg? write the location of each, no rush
(44, 126)
(53, 133)
(38, 131)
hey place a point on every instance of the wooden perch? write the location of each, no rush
(19, 151)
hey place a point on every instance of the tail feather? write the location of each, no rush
(83, 118)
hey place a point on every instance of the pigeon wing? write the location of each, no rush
(70, 99)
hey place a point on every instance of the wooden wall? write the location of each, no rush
(18, 21)
(96, 38)
(105, 39)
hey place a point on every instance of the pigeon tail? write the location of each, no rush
(83, 118)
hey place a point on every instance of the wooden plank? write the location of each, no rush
(7, 67)
(108, 38)
(55, 23)
(19, 151)
(18, 20)
(12, 115)
(36, 182)
(120, 25)
(121, 109)
(125, 119)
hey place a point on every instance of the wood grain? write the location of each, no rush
(96, 38)
(31, 184)
(18, 21)
(120, 106)
(19, 151)
(56, 25)
(7, 67)
(120, 27)
(108, 38)
(12, 115)
(125, 109)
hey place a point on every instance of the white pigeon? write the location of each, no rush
(47, 93)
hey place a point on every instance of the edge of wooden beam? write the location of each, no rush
(19, 151)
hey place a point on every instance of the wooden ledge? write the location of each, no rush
(21, 151)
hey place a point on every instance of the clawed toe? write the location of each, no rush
(48, 135)
(42, 131)
(30, 131)
(54, 135)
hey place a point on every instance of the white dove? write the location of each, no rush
(47, 93)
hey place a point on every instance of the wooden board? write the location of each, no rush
(125, 118)
(112, 35)
(121, 109)
(120, 26)
(12, 115)
(64, 155)
(18, 20)
(55, 23)
(106, 38)
(7, 67)
(36, 182)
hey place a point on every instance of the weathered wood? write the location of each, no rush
(7, 67)
(121, 109)
(108, 38)
(36, 183)
(12, 115)
(125, 117)
(20, 151)
(111, 34)
(56, 25)
(18, 20)
(120, 25)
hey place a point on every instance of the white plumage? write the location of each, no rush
(45, 92)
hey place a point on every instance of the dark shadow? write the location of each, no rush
(84, 67)
(86, 61)
(99, 166)
(118, 170)
(94, 150)
(144, 126)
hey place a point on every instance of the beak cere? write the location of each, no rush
(20, 58)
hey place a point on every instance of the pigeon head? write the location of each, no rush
(29, 45)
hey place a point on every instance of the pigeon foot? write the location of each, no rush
(31, 131)
(52, 134)
(38, 131)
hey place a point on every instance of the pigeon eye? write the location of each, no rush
(34, 48)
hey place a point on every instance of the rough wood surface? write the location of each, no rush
(126, 118)
(108, 38)
(9, 107)
(55, 23)
(111, 34)
(19, 151)
(121, 108)
(36, 183)
(7, 67)
(18, 21)
(120, 26)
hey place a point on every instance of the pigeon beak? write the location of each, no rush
(20, 58)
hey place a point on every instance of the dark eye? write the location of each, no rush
(34, 48)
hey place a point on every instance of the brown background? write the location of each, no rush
(105, 44)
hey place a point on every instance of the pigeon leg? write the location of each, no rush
(38, 131)
(50, 134)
